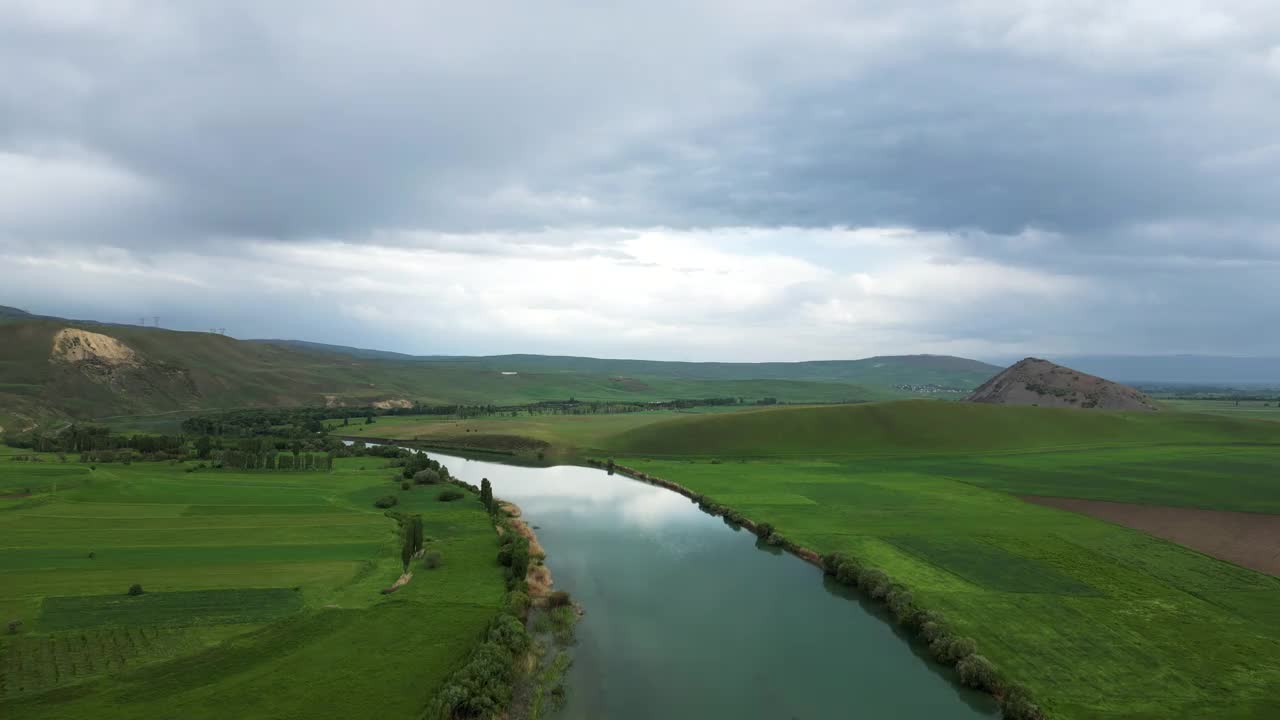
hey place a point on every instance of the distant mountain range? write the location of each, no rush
(1178, 369)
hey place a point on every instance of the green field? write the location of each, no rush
(922, 426)
(565, 434)
(262, 592)
(1098, 620)
(1253, 409)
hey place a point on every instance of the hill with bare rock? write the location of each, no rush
(1033, 381)
(60, 369)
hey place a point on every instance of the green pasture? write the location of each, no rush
(1098, 620)
(1253, 409)
(567, 434)
(261, 591)
(926, 427)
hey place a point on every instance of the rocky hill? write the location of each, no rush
(1033, 381)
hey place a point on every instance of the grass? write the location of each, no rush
(922, 426)
(1098, 620)
(566, 434)
(262, 592)
(32, 663)
(190, 607)
(1252, 409)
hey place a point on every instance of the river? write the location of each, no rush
(688, 618)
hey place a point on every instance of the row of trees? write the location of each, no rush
(78, 438)
(291, 422)
(272, 460)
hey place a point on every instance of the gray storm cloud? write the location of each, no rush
(1122, 153)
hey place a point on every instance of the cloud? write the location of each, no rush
(671, 179)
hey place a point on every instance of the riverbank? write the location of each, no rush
(930, 628)
(539, 685)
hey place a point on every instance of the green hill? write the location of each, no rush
(925, 427)
(77, 369)
(53, 368)
(881, 371)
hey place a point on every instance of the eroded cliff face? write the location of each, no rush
(111, 366)
(73, 345)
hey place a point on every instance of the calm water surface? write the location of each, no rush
(686, 618)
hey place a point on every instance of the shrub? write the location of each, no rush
(14, 626)
(432, 560)
(559, 598)
(426, 477)
(1017, 705)
(405, 485)
(136, 589)
(764, 530)
(776, 540)
(449, 495)
(977, 672)
(386, 501)
(901, 604)
(519, 562)
(848, 571)
(874, 582)
(869, 577)
(831, 562)
(950, 649)
(931, 630)
(509, 632)
(517, 603)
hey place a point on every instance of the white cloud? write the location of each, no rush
(745, 294)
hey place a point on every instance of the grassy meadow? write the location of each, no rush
(564, 435)
(261, 591)
(1252, 409)
(1099, 621)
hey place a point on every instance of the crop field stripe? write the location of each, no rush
(991, 566)
(193, 607)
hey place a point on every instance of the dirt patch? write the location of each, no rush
(629, 384)
(393, 403)
(1250, 540)
(73, 345)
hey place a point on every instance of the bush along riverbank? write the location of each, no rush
(517, 671)
(929, 627)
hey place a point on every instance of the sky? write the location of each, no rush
(718, 180)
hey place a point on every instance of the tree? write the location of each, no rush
(520, 561)
(486, 494)
(406, 551)
(135, 589)
(368, 419)
(203, 447)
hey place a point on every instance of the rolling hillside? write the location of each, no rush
(923, 426)
(72, 369)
